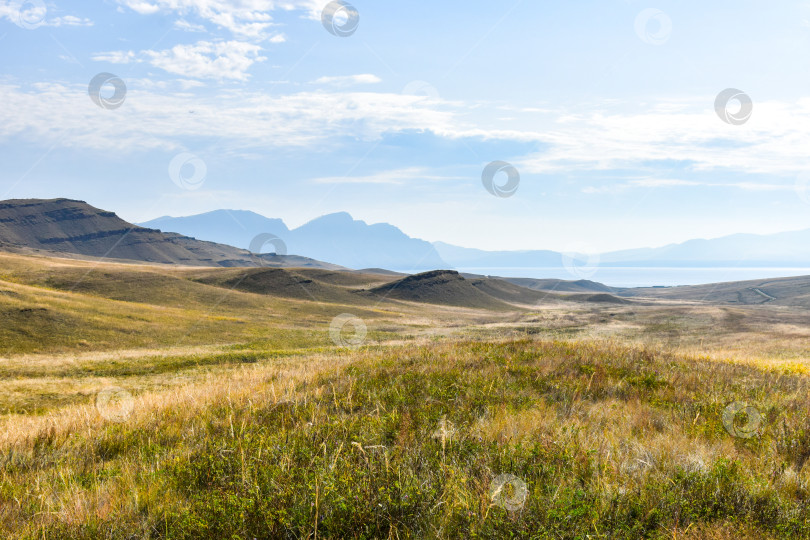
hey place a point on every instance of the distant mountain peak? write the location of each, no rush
(332, 237)
(336, 217)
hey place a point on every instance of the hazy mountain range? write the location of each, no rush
(339, 239)
(780, 249)
(336, 238)
(76, 229)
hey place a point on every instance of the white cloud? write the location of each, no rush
(115, 57)
(663, 182)
(139, 6)
(245, 18)
(392, 177)
(669, 183)
(68, 59)
(29, 15)
(773, 141)
(157, 119)
(201, 60)
(187, 84)
(208, 60)
(614, 187)
(68, 20)
(349, 80)
(182, 24)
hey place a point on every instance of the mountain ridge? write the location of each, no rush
(344, 240)
(74, 227)
(337, 238)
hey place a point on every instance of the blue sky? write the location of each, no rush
(606, 109)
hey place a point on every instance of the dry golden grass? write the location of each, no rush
(248, 422)
(610, 433)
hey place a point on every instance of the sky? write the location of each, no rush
(604, 113)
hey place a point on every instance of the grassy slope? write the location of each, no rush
(57, 305)
(248, 423)
(791, 291)
(70, 326)
(610, 442)
(440, 287)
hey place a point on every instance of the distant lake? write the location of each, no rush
(644, 277)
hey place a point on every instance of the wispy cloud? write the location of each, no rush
(68, 20)
(182, 24)
(200, 60)
(393, 177)
(774, 141)
(21, 12)
(115, 57)
(349, 80)
(250, 19)
(687, 136)
(674, 183)
(662, 182)
(154, 118)
(208, 60)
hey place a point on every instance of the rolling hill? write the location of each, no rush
(54, 304)
(560, 285)
(302, 284)
(792, 291)
(136, 392)
(444, 287)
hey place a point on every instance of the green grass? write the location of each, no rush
(248, 422)
(611, 442)
(59, 306)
